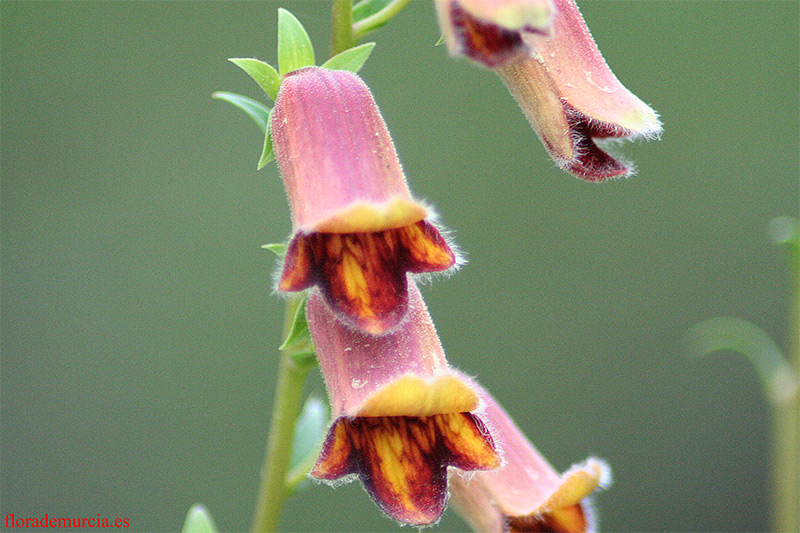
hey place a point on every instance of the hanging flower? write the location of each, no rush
(490, 31)
(573, 100)
(401, 415)
(357, 229)
(525, 493)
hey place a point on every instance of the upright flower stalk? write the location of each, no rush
(404, 422)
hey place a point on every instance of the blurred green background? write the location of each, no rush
(138, 322)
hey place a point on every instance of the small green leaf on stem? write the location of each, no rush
(778, 380)
(277, 248)
(264, 74)
(267, 153)
(254, 109)
(294, 46)
(198, 520)
(298, 344)
(352, 59)
(309, 432)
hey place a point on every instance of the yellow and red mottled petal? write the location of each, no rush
(470, 445)
(570, 519)
(335, 458)
(402, 460)
(363, 275)
(298, 271)
(425, 248)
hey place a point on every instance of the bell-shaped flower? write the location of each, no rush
(525, 493)
(573, 100)
(357, 229)
(401, 415)
(490, 31)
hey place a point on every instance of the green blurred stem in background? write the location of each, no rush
(779, 373)
(786, 415)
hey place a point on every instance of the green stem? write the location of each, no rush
(786, 445)
(342, 37)
(273, 490)
(364, 26)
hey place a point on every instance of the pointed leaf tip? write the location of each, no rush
(351, 60)
(264, 74)
(198, 520)
(267, 152)
(254, 109)
(309, 432)
(277, 248)
(298, 343)
(295, 50)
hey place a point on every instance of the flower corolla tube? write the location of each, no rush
(525, 493)
(357, 231)
(401, 415)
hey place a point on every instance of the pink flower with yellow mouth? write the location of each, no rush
(557, 75)
(401, 415)
(357, 229)
(573, 100)
(525, 493)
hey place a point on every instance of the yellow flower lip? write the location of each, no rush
(414, 396)
(361, 217)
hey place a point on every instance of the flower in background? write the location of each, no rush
(572, 99)
(490, 31)
(525, 493)
(357, 229)
(401, 415)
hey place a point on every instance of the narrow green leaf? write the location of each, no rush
(778, 380)
(198, 520)
(255, 110)
(352, 59)
(264, 74)
(294, 47)
(267, 153)
(298, 343)
(279, 249)
(309, 432)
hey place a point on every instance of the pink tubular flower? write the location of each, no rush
(490, 31)
(357, 230)
(525, 493)
(572, 99)
(401, 415)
